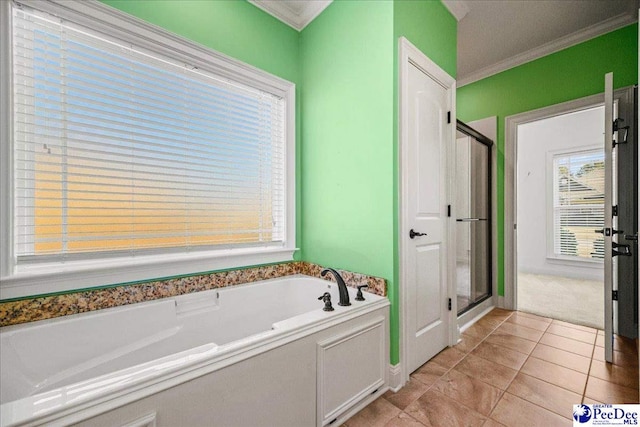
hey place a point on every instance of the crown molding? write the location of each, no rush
(458, 8)
(569, 40)
(284, 13)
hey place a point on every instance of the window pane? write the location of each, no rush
(579, 204)
(119, 149)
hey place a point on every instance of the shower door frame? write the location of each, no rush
(487, 142)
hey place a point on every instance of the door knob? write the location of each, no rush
(413, 234)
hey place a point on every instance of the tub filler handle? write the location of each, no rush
(359, 296)
(326, 298)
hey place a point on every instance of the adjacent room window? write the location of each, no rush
(578, 204)
(120, 150)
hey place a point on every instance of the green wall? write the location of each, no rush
(347, 138)
(572, 73)
(349, 131)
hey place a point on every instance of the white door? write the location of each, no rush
(609, 224)
(426, 136)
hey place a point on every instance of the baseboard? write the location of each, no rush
(501, 302)
(395, 378)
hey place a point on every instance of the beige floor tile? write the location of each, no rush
(520, 331)
(567, 344)
(621, 375)
(532, 316)
(574, 326)
(621, 344)
(477, 395)
(529, 322)
(479, 331)
(562, 358)
(467, 343)
(555, 374)
(411, 391)
(513, 411)
(376, 414)
(492, 423)
(607, 392)
(619, 358)
(624, 345)
(485, 370)
(448, 357)
(600, 341)
(512, 342)
(491, 321)
(434, 409)
(589, 401)
(504, 356)
(578, 335)
(500, 312)
(429, 373)
(404, 420)
(549, 396)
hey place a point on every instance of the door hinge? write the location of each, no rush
(448, 116)
(614, 295)
(614, 210)
(449, 210)
(449, 306)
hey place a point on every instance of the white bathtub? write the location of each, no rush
(139, 362)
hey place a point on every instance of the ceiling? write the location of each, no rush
(495, 35)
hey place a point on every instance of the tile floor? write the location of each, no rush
(511, 369)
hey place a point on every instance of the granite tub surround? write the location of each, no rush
(31, 309)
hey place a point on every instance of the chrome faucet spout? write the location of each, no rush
(342, 287)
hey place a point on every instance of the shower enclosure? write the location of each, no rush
(473, 217)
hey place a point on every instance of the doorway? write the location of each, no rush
(561, 237)
(560, 172)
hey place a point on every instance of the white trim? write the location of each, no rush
(458, 8)
(65, 277)
(395, 378)
(409, 54)
(282, 11)
(33, 280)
(7, 255)
(569, 40)
(509, 301)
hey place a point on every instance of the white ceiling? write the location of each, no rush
(494, 35)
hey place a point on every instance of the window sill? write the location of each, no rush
(57, 277)
(571, 261)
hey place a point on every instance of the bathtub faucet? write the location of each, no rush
(342, 287)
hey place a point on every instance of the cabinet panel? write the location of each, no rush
(350, 367)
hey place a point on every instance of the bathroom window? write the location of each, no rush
(126, 150)
(578, 204)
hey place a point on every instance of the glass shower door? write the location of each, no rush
(473, 222)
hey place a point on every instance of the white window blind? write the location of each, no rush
(119, 149)
(578, 204)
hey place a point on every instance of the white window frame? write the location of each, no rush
(552, 257)
(26, 280)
